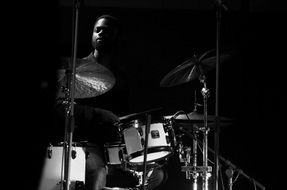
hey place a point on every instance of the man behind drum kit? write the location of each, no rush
(94, 122)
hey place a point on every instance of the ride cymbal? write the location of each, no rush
(91, 79)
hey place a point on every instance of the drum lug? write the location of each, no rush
(49, 151)
(80, 185)
(167, 140)
(74, 154)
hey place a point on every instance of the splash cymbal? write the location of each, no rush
(91, 79)
(191, 69)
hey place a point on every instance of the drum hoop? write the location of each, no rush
(152, 150)
(142, 121)
(114, 144)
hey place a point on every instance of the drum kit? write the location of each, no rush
(145, 141)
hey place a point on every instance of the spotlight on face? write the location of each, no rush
(105, 33)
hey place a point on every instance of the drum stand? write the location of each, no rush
(194, 170)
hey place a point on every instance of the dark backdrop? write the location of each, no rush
(154, 42)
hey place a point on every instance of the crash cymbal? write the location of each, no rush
(191, 69)
(91, 79)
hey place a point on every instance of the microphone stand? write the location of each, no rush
(205, 129)
(69, 120)
(219, 6)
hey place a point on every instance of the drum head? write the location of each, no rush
(154, 154)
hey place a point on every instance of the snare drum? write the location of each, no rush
(159, 141)
(53, 170)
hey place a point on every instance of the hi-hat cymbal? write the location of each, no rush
(191, 69)
(196, 117)
(91, 79)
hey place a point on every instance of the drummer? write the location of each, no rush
(96, 110)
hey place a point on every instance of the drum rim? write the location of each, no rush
(114, 144)
(151, 150)
(142, 121)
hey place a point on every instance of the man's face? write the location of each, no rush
(104, 34)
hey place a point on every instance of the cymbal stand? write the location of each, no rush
(185, 157)
(194, 172)
(205, 169)
(69, 121)
(205, 93)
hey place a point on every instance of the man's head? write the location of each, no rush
(105, 33)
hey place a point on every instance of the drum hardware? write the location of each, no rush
(229, 173)
(188, 156)
(142, 181)
(205, 93)
(49, 151)
(189, 70)
(196, 68)
(168, 127)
